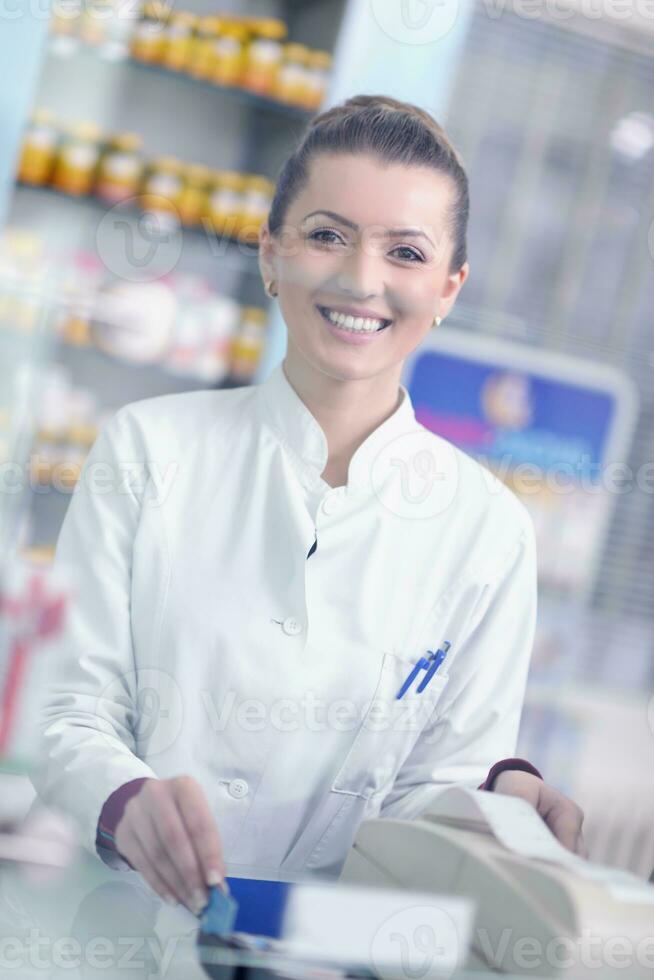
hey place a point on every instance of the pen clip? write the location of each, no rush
(437, 660)
(422, 664)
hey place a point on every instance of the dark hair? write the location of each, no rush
(395, 132)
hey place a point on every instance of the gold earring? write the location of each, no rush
(269, 288)
(437, 321)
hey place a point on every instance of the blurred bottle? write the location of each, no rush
(317, 79)
(257, 197)
(51, 414)
(77, 159)
(95, 21)
(162, 185)
(221, 316)
(291, 82)
(194, 197)
(81, 433)
(226, 203)
(178, 43)
(39, 149)
(121, 168)
(264, 55)
(135, 321)
(205, 48)
(230, 52)
(148, 38)
(66, 17)
(247, 345)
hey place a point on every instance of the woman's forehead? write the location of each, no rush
(367, 191)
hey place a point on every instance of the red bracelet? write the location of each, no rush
(516, 764)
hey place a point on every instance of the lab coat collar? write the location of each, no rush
(304, 440)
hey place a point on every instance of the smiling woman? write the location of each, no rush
(366, 236)
(315, 542)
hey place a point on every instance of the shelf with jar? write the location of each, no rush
(247, 56)
(216, 341)
(80, 161)
(179, 323)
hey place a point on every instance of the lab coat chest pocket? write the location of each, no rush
(389, 728)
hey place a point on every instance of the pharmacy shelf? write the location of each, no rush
(64, 47)
(247, 249)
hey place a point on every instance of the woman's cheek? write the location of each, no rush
(310, 271)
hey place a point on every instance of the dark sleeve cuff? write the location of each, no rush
(520, 764)
(112, 811)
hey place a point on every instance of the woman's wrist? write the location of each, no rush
(520, 764)
(112, 812)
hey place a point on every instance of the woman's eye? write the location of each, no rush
(318, 236)
(415, 256)
(323, 231)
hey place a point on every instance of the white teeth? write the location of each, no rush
(356, 324)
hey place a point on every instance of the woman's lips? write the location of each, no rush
(348, 336)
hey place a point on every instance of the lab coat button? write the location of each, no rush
(291, 626)
(238, 788)
(331, 503)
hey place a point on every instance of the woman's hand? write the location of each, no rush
(168, 834)
(562, 815)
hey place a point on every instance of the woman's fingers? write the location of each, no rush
(168, 834)
(561, 814)
(564, 820)
(167, 843)
(580, 846)
(201, 826)
(139, 860)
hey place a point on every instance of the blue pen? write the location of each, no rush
(430, 664)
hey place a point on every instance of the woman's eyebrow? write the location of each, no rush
(415, 232)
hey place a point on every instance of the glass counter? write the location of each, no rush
(87, 920)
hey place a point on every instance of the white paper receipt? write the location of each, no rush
(520, 829)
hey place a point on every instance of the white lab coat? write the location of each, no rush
(203, 640)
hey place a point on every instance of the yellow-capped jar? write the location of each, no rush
(317, 78)
(148, 38)
(264, 55)
(121, 168)
(230, 52)
(291, 81)
(39, 149)
(194, 198)
(77, 159)
(66, 18)
(162, 185)
(257, 198)
(204, 54)
(178, 41)
(247, 345)
(226, 203)
(94, 22)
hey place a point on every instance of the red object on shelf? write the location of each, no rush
(34, 616)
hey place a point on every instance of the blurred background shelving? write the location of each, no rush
(203, 105)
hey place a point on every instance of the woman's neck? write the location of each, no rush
(348, 411)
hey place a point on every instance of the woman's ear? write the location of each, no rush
(451, 290)
(266, 253)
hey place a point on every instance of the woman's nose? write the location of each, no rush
(361, 273)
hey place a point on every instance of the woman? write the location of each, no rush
(261, 567)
